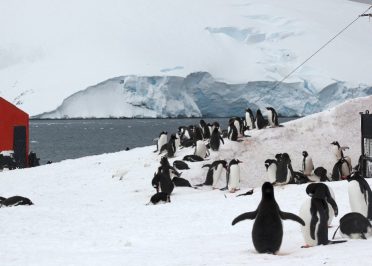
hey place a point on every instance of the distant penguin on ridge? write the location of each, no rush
(162, 140)
(272, 117)
(249, 119)
(260, 120)
(307, 164)
(215, 140)
(267, 232)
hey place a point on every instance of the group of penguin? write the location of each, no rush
(204, 137)
(280, 170)
(317, 211)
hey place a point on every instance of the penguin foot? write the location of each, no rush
(306, 246)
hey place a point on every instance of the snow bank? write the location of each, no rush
(91, 211)
(199, 94)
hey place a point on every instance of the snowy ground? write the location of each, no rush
(91, 211)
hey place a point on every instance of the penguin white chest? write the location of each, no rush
(237, 125)
(217, 175)
(234, 177)
(305, 214)
(162, 140)
(271, 173)
(270, 118)
(248, 120)
(200, 149)
(336, 152)
(358, 203)
(309, 166)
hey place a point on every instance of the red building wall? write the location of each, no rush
(11, 116)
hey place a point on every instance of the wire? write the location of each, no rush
(317, 51)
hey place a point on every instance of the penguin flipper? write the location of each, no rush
(207, 165)
(291, 216)
(333, 203)
(244, 216)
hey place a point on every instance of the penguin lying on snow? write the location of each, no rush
(267, 232)
(354, 225)
(158, 197)
(180, 165)
(14, 201)
(193, 158)
(315, 213)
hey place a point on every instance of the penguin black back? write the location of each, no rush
(267, 233)
(15, 201)
(215, 140)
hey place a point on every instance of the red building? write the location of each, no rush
(14, 132)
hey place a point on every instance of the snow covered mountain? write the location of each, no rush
(199, 94)
(56, 48)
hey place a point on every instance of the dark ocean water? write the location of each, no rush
(58, 140)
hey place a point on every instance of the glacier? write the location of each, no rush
(199, 95)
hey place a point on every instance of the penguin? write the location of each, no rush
(360, 195)
(341, 170)
(214, 172)
(210, 127)
(177, 141)
(170, 147)
(233, 176)
(163, 176)
(201, 149)
(15, 201)
(271, 167)
(180, 165)
(232, 132)
(331, 199)
(260, 120)
(267, 232)
(272, 117)
(321, 172)
(249, 119)
(354, 225)
(238, 125)
(337, 150)
(162, 140)
(307, 164)
(193, 158)
(215, 140)
(160, 196)
(197, 133)
(184, 133)
(205, 129)
(314, 212)
(284, 168)
(2, 199)
(180, 182)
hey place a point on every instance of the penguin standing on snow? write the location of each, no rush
(307, 164)
(267, 232)
(215, 140)
(249, 119)
(232, 132)
(201, 149)
(355, 226)
(341, 170)
(331, 199)
(314, 212)
(272, 117)
(260, 120)
(271, 167)
(161, 141)
(205, 129)
(233, 176)
(360, 195)
(214, 172)
(284, 168)
(170, 147)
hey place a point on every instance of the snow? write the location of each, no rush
(91, 211)
(55, 49)
(198, 94)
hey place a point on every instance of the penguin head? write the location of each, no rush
(216, 124)
(269, 162)
(258, 112)
(164, 161)
(286, 157)
(234, 161)
(202, 122)
(336, 144)
(267, 191)
(174, 136)
(305, 154)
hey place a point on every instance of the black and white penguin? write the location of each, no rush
(341, 170)
(160, 196)
(232, 132)
(267, 232)
(360, 195)
(193, 158)
(238, 124)
(184, 133)
(249, 119)
(201, 149)
(197, 133)
(315, 213)
(178, 181)
(337, 150)
(214, 172)
(161, 141)
(355, 226)
(272, 117)
(321, 172)
(307, 164)
(260, 120)
(331, 199)
(284, 168)
(205, 129)
(233, 176)
(180, 165)
(271, 167)
(170, 147)
(15, 201)
(215, 140)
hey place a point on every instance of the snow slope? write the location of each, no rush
(56, 48)
(91, 211)
(200, 95)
